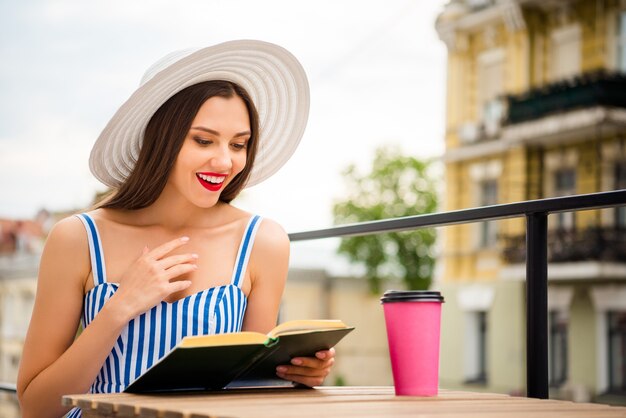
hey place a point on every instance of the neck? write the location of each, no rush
(174, 213)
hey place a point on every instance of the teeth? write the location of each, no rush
(212, 179)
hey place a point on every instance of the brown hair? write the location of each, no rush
(164, 138)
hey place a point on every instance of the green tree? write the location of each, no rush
(397, 186)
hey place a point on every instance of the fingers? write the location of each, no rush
(326, 354)
(155, 275)
(302, 363)
(179, 270)
(308, 366)
(174, 265)
(309, 371)
(179, 285)
(306, 376)
(173, 260)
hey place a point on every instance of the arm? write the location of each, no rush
(53, 364)
(269, 264)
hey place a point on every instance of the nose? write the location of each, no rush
(221, 160)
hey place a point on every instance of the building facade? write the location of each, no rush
(536, 108)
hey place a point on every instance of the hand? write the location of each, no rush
(149, 279)
(309, 371)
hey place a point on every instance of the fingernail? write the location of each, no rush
(281, 369)
(320, 355)
(184, 239)
(296, 361)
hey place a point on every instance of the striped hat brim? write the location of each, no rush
(271, 75)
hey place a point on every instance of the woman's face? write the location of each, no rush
(213, 152)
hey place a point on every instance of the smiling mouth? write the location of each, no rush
(211, 182)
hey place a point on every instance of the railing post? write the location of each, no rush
(537, 305)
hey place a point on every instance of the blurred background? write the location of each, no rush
(415, 107)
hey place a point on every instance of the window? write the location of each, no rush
(488, 196)
(565, 56)
(565, 185)
(476, 347)
(490, 83)
(557, 342)
(621, 42)
(620, 183)
(493, 115)
(617, 351)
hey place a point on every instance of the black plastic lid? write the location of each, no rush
(411, 296)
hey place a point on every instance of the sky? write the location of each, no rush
(376, 70)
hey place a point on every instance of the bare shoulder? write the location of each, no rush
(68, 233)
(271, 235)
(271, 246)
(67, 241)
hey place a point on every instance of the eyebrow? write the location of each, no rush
(213, 132)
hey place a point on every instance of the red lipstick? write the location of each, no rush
(205, 180)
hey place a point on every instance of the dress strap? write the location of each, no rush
(245, 248)
(95, 249)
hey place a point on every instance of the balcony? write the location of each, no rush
(598, 88)
(570, 245)
(590, 105)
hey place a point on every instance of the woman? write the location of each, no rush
(167, 255)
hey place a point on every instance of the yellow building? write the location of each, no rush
(536, 108)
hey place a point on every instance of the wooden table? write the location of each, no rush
(327, 402)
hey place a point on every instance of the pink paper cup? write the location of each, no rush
(413, 321)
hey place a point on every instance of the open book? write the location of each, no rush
(241, 359)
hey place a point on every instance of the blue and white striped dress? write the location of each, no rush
(151, 335)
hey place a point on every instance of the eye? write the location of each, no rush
(201, 141)
(239, 146)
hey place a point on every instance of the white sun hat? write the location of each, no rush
(271, 75)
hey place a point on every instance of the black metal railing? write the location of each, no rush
(536, 213)
(8, 387)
